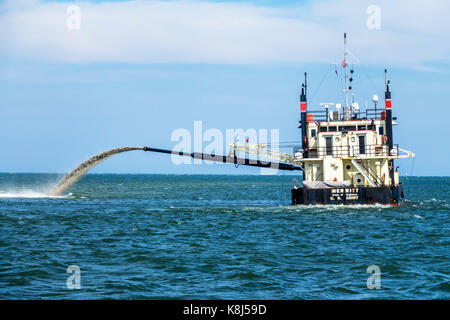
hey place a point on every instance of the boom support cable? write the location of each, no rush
(320, 83)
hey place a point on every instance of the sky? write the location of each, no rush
(136, 71)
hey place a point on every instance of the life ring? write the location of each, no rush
(385, 139)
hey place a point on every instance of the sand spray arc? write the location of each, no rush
(81, 170)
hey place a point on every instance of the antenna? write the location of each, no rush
(386, 81)
(347, 87)
(349, 58)
(375, 102)
(304, 88)
(344, 64)
(305, 85)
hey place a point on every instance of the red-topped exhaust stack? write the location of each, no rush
(389, 134)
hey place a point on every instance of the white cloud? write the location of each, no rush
(207, 32)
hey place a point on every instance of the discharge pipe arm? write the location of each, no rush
(228, 159)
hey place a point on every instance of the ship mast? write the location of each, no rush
(344, 64)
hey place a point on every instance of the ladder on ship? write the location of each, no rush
(367, 172)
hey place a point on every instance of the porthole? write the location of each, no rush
(336, 139)
(348, 167)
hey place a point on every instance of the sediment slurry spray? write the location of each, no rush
(81, 170)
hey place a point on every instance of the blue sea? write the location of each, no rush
(217, 237)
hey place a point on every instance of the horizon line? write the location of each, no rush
(196, 174)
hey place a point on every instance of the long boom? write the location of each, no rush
(229, 159)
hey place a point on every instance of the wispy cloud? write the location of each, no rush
(218, 32)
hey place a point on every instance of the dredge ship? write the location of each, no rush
(346, 155)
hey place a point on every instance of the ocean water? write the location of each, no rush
(217, 237)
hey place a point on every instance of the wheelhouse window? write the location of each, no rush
(347, 128)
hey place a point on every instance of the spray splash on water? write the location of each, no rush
(81, 170)
(26, 194)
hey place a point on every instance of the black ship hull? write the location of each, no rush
(388, 195)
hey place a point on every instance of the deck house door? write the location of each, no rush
(362, 144)
(329, 146)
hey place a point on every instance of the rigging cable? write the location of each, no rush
(321, 82)
(371, 81)
(339, 80)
